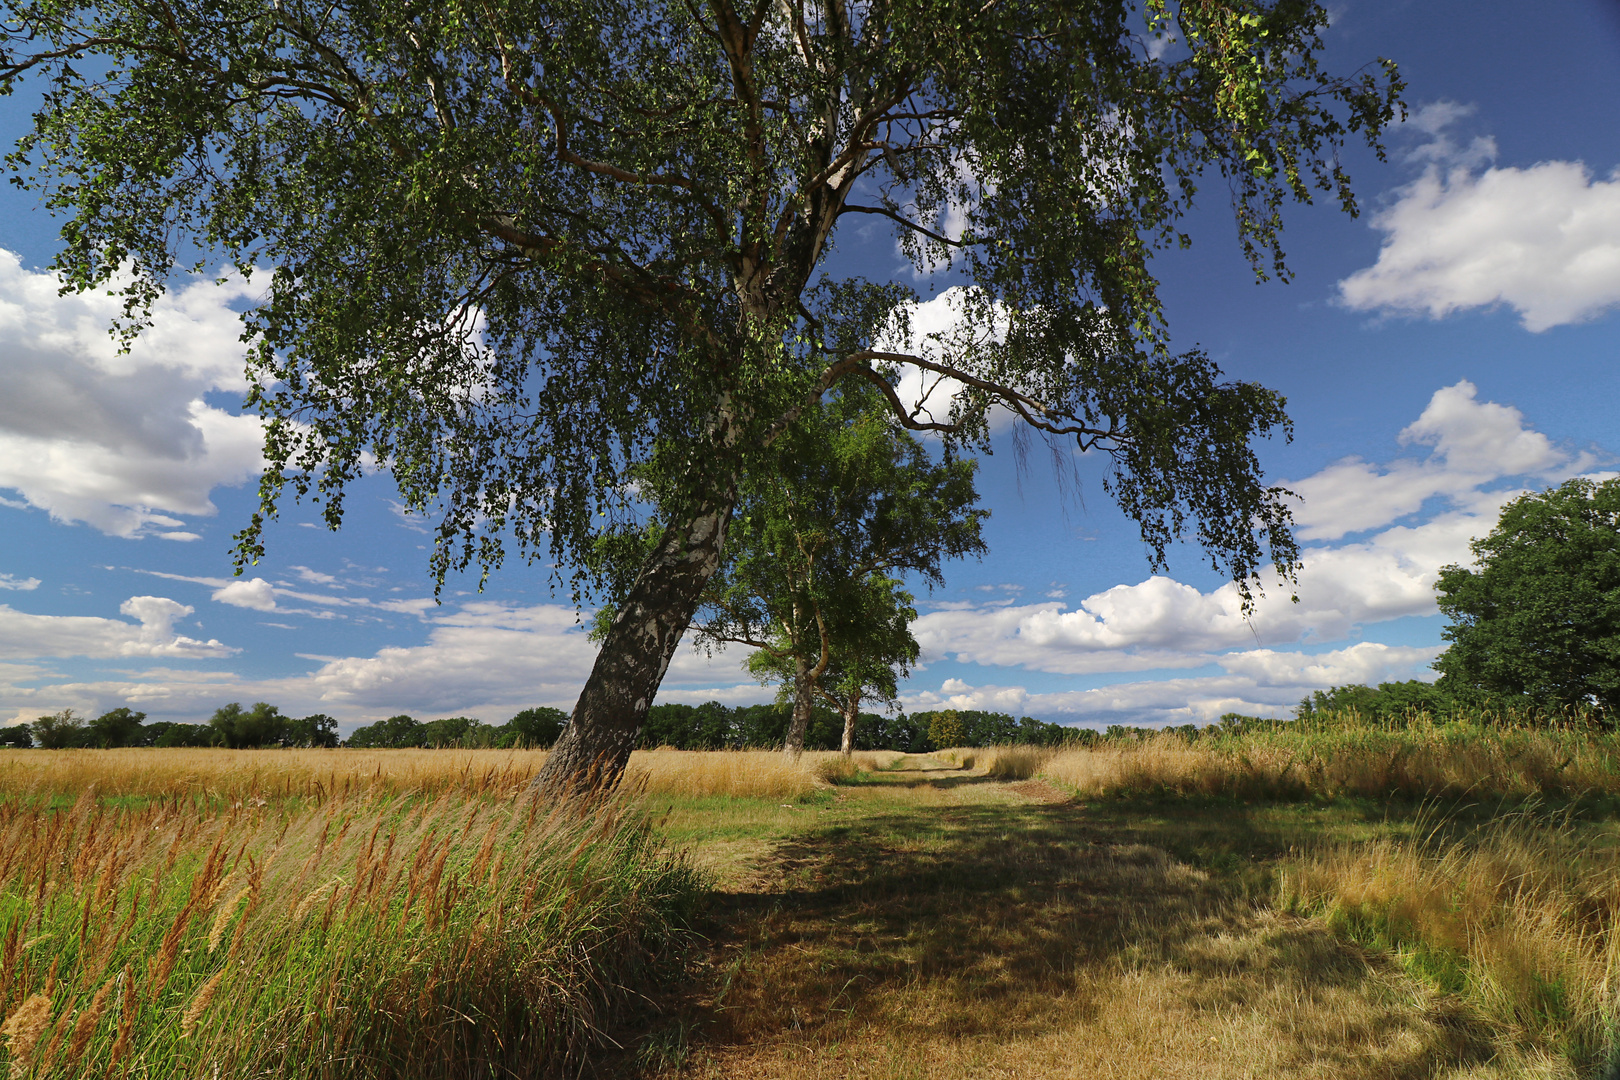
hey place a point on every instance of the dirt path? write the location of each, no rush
(938, 924)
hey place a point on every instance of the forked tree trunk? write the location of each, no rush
(803, 699)
(852, 712)
(591, 754)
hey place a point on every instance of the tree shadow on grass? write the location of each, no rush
(1005, 922)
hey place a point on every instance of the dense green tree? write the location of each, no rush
(117, 727)
(898, 731)
(452, 732)
(872, 650)
(519, 248)
(978, 727)
(689, 727)
(395, 733)
(318, 730)
(171, 735)
(17, 736)
(805, 581)
(536, 728)
(1395, 701)
(946, 729)
(1537, 620)
(60, 731)
(239, 728)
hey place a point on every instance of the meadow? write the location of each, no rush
(1329, 899)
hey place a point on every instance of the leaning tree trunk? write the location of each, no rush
(852, 712)
(591, 754)
(803, 699)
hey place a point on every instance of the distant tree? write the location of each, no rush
(1035, 732)
(871, 650)
(1390, 702)
(395, 733)
(175, 735)
(688, 727)
(1538, 620)
(117, 727)
(238, 728)
(905, 733)
(59, 731)
(16, 735)
(318, 730)
(534, 728)
(978, 727)
(946, 729)
(454, 732)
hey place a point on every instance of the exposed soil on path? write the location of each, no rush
(935, 923)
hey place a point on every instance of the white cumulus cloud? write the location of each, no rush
(26, 637)
(484, 659)
(124, 442)
(1161, 623)
(1256, 682)
(1473, 443)
(257, 594)
(1543, 240)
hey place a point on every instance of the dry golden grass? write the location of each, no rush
(743, 774)
(232, 776)
(1519, 918)
(1002, 762)
(921, 920)
(943, 926)
(1415, 761)
(357, 937)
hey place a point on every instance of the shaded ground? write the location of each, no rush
(928, 922)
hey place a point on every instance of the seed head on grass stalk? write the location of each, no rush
(85, 1026)
(22, 1031)
(53, 1042)
(199, 1005)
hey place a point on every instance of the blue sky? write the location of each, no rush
(1452, 347)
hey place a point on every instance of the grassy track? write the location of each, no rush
(929, 921)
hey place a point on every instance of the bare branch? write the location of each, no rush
(883, 211)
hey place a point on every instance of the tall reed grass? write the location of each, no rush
(1002, 762)
(1336, 755)
(1519, 919)
(364, 936)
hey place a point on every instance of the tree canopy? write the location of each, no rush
(518, 248)
(1537, 620)
(809, 578)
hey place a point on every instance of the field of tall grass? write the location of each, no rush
(356, 936)
(227, 777)
(338, 913)
(1502, 902)
(414, 913)
(1330, 756)
(1518, 918)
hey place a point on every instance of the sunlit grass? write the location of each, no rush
(1336, 757)
(1518, 917)
(225, 777)
(363, 936)
(1311, 902)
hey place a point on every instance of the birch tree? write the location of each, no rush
(515, 248)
